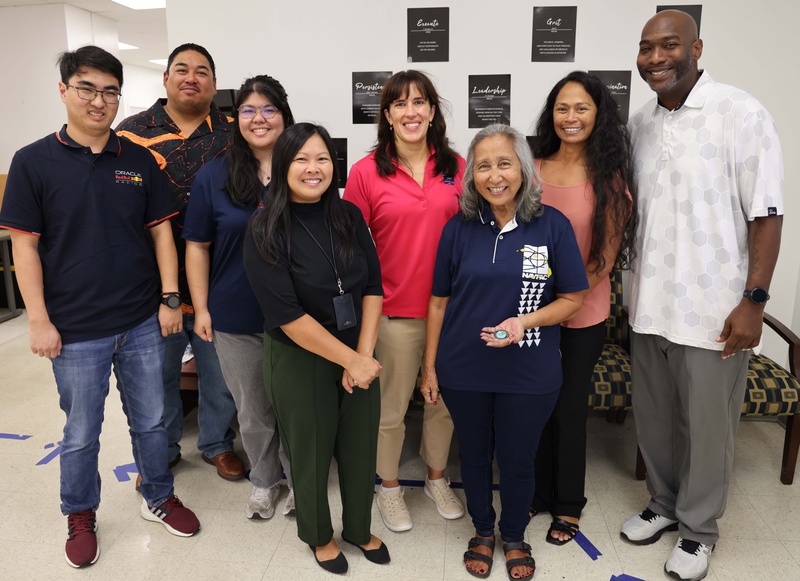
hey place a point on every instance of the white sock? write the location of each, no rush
(442, 479)
(385, 490)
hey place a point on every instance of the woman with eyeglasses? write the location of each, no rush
(313, 266)
(225, 194)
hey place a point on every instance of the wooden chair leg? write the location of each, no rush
(790, 445)
(641, 469)
(621, 415)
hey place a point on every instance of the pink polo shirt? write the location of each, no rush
(406, 222)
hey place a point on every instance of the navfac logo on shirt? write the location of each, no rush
(128, 177)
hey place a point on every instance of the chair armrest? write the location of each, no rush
(791, 339)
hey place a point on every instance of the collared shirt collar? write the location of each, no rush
(112, 145)
(487, 217)
(216, 120)
(697, 96)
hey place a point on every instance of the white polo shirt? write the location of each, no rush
(704, 171)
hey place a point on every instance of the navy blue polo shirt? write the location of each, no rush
(90, 212)
(212, 217)
(491, 275)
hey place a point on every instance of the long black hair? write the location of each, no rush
(609, 160)
(272, 227)
(242, 184)
(398, 87)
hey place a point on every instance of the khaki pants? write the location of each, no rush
(399, 349)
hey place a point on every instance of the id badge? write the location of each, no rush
(345, 311)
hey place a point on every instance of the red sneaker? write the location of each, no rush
(82, 549)
(178, 519)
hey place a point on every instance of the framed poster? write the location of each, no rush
(367, 89)
(554, 34)
(428, 35)
(489, 100)
(619, 83)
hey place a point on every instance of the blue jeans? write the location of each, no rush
(82, 371)
(215, 406)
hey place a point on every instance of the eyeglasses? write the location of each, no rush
(249, 112)
(89, 94)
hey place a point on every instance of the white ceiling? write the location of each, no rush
(146, 29)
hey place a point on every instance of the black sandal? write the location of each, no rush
(560, 525)
(526, 561)
(471, 555)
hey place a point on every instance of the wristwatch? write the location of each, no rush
(758, 295)
(172, 300)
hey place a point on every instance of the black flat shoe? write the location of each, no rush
(379, 556)
(337, 565)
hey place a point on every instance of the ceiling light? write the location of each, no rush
(162, 62)
(142, 4)
(124, 46)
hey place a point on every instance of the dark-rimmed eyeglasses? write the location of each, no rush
(249, 112)
(89, 94)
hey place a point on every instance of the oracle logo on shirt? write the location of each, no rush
(128, 177)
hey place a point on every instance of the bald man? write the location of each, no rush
(710, 176)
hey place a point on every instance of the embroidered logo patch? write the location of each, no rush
(128, 177)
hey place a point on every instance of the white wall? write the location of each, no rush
(313, 47)
(29, 99)
(141, 89)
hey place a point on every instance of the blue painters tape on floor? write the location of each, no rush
(14, 436)
(52, 454)
(587, 546)
(123, 472)
(624, 577)
(421, 483)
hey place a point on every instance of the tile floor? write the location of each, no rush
(760, 531)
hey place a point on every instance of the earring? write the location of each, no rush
(391, 127)
(430, 123)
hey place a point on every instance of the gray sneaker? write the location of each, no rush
(262, 502)
(288, 507)
(646, 527)
(394, 511)
(688, 560)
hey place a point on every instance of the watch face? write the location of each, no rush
(172, 301)
(759, 295)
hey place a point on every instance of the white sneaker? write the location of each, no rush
(646, 527)
(393, 509)
(442, 495)
(262, 502)
(288, 507)
(688, 560)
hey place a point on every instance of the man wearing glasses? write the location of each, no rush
(183, 132)
(79, 203)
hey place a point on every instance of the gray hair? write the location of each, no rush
(529, 196)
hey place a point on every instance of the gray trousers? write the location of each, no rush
(241, 358)
(687, 402)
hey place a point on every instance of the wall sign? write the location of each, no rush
(367, 89)
(428, 35)
(489, 100)
(554, 34)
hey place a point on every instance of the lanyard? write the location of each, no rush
(332, 262)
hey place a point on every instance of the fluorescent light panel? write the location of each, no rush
(162, 62)
(124, 46)
(142, 4)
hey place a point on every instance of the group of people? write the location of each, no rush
(310, 314)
